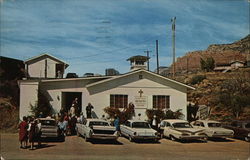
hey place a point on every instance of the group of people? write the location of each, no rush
(29, 131)
(67, 120)
(30, 128)
(75, 110)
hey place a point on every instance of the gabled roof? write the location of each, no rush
(137, 71)
(46, 55)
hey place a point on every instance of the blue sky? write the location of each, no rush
(92, 35)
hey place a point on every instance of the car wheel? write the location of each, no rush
(247, 139)
(77, 133)
(86, 139)
(130, 139)
(162, 135)
(172, 138)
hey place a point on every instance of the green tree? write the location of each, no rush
(124, 115)
(207, 64)
(41, 106)
(235, 94)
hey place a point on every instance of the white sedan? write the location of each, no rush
(138, 129)
(96, 129)
(181, 130)
(213, 128)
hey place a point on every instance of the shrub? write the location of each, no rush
(41, 106)
(197, 79)
(124, 115)
(160, 114)
(151, 112)
(207, 64)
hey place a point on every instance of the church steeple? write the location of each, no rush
(138, 62)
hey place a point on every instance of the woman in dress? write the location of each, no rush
(23, 133)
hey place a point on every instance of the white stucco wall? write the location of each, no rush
(99, 95)
(28, 95)
(177, 98)
(37, 68)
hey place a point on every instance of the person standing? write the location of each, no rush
(154, 123)
(62, 127)
(117, 124)
(72, 110)
(89, 108)
(38, 132)
(75, 104)
(23, 133)
(32, 133)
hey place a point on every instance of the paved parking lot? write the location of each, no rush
(76, 148)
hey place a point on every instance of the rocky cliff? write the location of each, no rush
(221, 53)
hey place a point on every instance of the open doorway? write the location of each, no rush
(69, 97)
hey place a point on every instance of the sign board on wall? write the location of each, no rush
(141, 102)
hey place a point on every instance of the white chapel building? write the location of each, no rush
(145, 89)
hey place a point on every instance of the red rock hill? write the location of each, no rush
(222, 54)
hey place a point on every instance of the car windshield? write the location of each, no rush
(247, 125)
(214, 125)
(140, 125)
(98, 123)
(182, 125)
(48, 122)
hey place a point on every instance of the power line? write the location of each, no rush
(109, 52)
(147, 51)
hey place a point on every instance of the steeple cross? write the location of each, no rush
(140, 92)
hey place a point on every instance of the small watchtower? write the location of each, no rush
(138, 62)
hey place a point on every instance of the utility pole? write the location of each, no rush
(45, 71)
(147, 51)
(173, 31)
(157, 58)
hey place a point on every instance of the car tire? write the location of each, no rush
(172, 138)
(130, 138)
(247, 139)
(77, 133)
(162, 136)
(86, 139)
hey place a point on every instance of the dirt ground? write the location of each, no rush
(76, 148)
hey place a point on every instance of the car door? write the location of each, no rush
(84, 127)
(167, 129)
(126, 128)
(235, 127)
(242, 132)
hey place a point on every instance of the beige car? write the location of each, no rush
(138, 130)
(176, 129)
(96, 129)
(213, 128)
(49, 128)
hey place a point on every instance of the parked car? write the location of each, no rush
(213, 128)
(138, 129)
(241, 129)
(96, 129)
(71, 75)
(49, 128)
(176, 129)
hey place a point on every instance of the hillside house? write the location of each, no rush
(45, 66)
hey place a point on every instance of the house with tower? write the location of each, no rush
(145, 89)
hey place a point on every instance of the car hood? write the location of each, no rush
(191, 130)
(218, 129)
